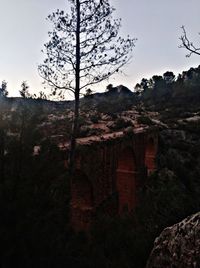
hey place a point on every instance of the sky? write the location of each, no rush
(155, 23)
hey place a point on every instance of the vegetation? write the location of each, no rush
(35, 184)
(33, 196)
(84, 49)
(24, 92)
(3, 89)
(166, 91)
(34, 192)
(144, 120)
(116, 104)
(121, 123)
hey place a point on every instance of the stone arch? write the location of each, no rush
(82, 202)
(150, 155)
(126, 180)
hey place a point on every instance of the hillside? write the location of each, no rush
(35, 189)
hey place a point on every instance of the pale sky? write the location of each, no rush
(156, 24)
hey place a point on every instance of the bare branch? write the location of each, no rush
(188, 45)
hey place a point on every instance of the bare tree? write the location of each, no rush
(84, 49)
(188, 45)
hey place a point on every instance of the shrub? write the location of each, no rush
(95, 118)
(144, 120)
(121, 123)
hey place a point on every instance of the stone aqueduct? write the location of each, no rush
(109, 172)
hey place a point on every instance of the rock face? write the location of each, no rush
(178, 246)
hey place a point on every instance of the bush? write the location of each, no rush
(95, 118)
(121, 123)
(145, 120)
(83, 131)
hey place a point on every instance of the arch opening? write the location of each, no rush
(126, 181)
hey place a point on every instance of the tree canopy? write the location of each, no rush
(3, 89)
(88, 35)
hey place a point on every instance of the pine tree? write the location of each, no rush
(84, 49)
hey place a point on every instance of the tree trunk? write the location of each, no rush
(74, 135)
(76, 94)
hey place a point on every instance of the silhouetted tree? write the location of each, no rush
(155, 81)
(84, 49)
(109, 87)
(42, 96)
(3, 89)
(169, 77)
(188, 45)
(24, 92)
(88, 92)
(144, 84)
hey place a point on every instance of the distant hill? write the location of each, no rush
(115, 92)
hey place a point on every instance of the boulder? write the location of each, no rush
(178, 246)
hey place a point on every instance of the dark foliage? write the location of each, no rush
(33, 195)
(165, 91)
(3, 89)
(144, 120)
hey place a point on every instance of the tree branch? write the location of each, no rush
(188, 45)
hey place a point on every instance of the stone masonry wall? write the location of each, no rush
(109, 174)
